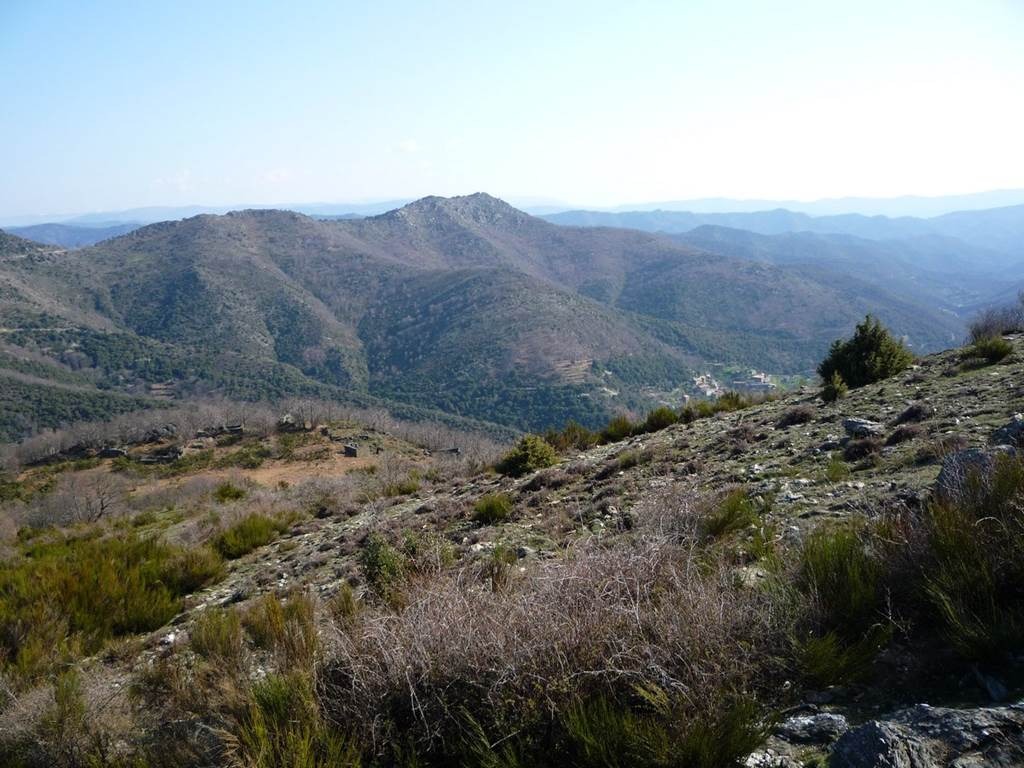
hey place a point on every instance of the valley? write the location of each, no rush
(462, 307)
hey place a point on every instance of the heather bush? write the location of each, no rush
(972, 561)
(108, 587)
(571, 436)
(915, 412)
(987, 351)
(216, 635)
(529, 454)
(998, 321)
(843, 580)
(617, 429)
(904, 433)
(798, 414)
(733, 512)
(658, 419)
(492, 508)
(252, 531)
(862, 448)
(382, 564)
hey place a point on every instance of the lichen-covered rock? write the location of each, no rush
(930, 737)
(959, 466)
(1010, 434)
(767, 758)
(818, 728)
(862, 427)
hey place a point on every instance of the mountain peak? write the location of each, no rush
(478, 208)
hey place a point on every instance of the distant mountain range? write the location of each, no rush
(997, 229)
(463, 306)
(908, 205)
(71, 235)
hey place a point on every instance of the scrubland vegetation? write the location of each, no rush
(674, 632)
(992, 323)
(643, 650)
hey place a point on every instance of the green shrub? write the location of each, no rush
(872, 354)
(344, 604)
(734, 512)
(425, 551)
(287, 627)
(254, 530)
(249, 457)
(830, 660)
(973, 569)
(143, 519)
(843, 581)
(602, 733)
(283, 728)
(404, 487)
(726, 403)
(65, 721)
(998, 321)
(990, 350)
(836, 470)
(226, 492)
(617, 429)
(691, 412)
(630, 459)
(732, 401)
(108, 587)
(835, 388)
(572, 436)
(529, 454)
(192, 569)
(492, 508)
(724, 738)
(216, 635)
(383, 566)
(658, 419)
(499, 567)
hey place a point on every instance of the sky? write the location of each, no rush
(109, 105)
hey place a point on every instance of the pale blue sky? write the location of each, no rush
(112, 105)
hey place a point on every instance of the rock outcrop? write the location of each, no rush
(929, 737)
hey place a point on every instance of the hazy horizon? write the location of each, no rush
(922, 206)
(118, 107)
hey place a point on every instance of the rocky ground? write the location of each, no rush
(883, 445)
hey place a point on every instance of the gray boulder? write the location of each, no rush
(1012, 433)
(928, 737)
(862, 427)
(767, 758)
(818, 728)
(959, 466)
